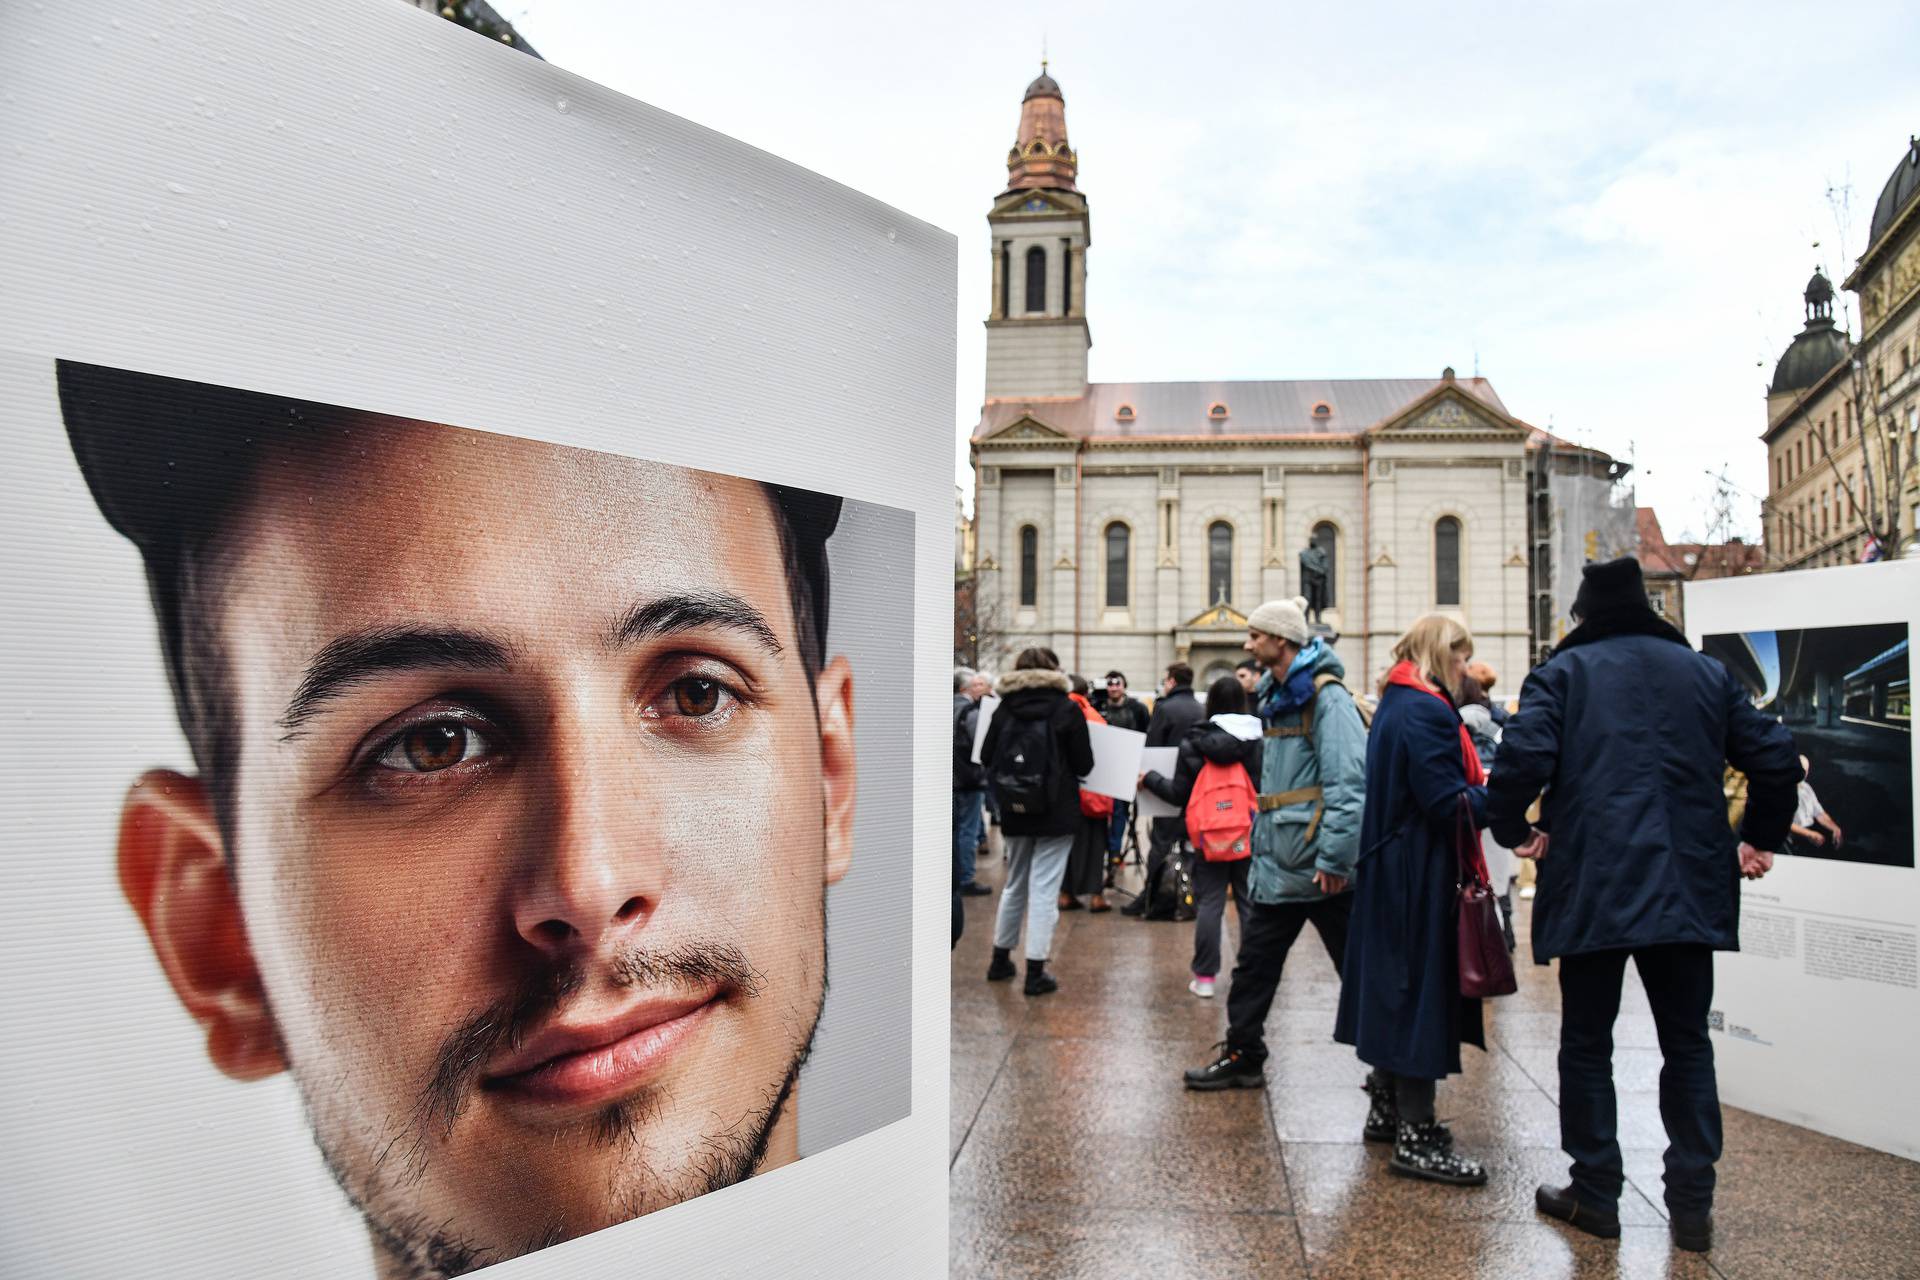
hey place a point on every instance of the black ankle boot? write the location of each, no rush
(1383, 1109)
(1691, 1231)
(1002, 966)
(1039, 981)
(1426, 1151)
(1562, 1203)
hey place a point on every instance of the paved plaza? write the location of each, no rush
(1076, 1152)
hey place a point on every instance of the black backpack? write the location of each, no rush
(1170, 894)
(1023, 766)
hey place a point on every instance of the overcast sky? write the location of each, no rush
(1613, 211)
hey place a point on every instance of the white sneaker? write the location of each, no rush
(1202, 987)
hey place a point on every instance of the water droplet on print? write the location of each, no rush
(563, 105)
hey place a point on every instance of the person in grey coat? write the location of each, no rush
(1629, 732)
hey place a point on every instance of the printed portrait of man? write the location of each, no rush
(521, 776)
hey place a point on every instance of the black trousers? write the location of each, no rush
(1266, 935)
(1679, 983)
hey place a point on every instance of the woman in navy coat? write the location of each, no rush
(1400, 1002)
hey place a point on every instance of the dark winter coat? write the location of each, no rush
(1174, 715)
(1400, 1002)
(1628, 731)
(1209, 742)
(1042, 695)
(1131, 713)
(967, 776)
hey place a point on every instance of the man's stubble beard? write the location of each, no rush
(414, 1245)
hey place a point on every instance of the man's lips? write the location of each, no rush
(595, 1063)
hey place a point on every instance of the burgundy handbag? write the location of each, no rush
(1486, 968)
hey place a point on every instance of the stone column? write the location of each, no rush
(1066, 569)
(1273, 536)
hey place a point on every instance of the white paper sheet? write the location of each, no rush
(1116, 761)
(1161, 760)
(988, 705)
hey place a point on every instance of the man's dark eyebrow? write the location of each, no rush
(354, 659)
(669, 614)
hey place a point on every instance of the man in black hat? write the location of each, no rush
(1633, 731)
(521, 777)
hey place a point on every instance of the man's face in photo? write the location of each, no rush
(533, 818)
(1116, 690)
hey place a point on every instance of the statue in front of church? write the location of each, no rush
(1313, 579)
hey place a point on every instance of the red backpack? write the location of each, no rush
(1092, 803)
(1220, 813)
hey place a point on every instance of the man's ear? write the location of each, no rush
(833, 694)
(173, 870)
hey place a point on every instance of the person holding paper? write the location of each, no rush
(1121, 711)
(1036, 751)
(1228, 737)
(1305, 843)
(1174, 713)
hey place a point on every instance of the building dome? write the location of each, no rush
(1901, 188)
(1817, 348)
(1043, 86)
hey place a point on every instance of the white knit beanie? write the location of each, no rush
(1281, 618)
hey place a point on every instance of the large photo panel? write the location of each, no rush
(460, 779)
(1816, 1019)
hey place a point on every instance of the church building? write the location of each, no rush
(1132, 524)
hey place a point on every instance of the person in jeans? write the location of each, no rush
(1306, 836)
(1634, 730)
(1122, 712)
(1400, 1001)
(1037, 749)
(1228, 737)
(969, 783)
(1174, 714)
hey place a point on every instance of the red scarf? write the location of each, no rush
(1409, 675)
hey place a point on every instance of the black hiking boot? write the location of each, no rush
(1233, 1069)
(1426, 1151)
(1039, 981)
(1001, 968)
(1691, 1231)
(1561, 1203)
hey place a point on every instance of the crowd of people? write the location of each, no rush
(1393, 822)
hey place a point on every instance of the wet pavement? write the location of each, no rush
(1077, 1152)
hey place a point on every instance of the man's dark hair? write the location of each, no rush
(1037, 658)
(1115, 675)
(172, 465)
(1247, 664)
(1180, 673)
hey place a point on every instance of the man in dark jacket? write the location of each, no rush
(1122, 712)
(1633, 730)
(1174, 715)
(1037, 749)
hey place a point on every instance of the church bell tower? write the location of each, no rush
(1037, 336)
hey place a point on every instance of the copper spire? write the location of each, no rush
(1040, 156)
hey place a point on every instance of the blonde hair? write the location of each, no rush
(1429, 645)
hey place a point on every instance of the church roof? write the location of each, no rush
(1902, 186)
(1277, 408)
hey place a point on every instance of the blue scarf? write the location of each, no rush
(1296, 690)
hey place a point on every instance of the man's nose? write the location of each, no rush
(596, 873)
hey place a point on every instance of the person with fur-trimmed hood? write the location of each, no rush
(1306, 838)
(1036, 750)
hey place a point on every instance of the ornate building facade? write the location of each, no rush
(1128, 525)
(1843, 420)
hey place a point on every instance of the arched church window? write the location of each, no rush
(1036, 280)
(1119, 547)
(1124, 413)
(1323, 410)
(1446, 562)
(1327, 538)
(1219, 562)
(1218, 412)
(1029, 566)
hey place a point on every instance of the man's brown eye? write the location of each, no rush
(432, 747)
(696, 697)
